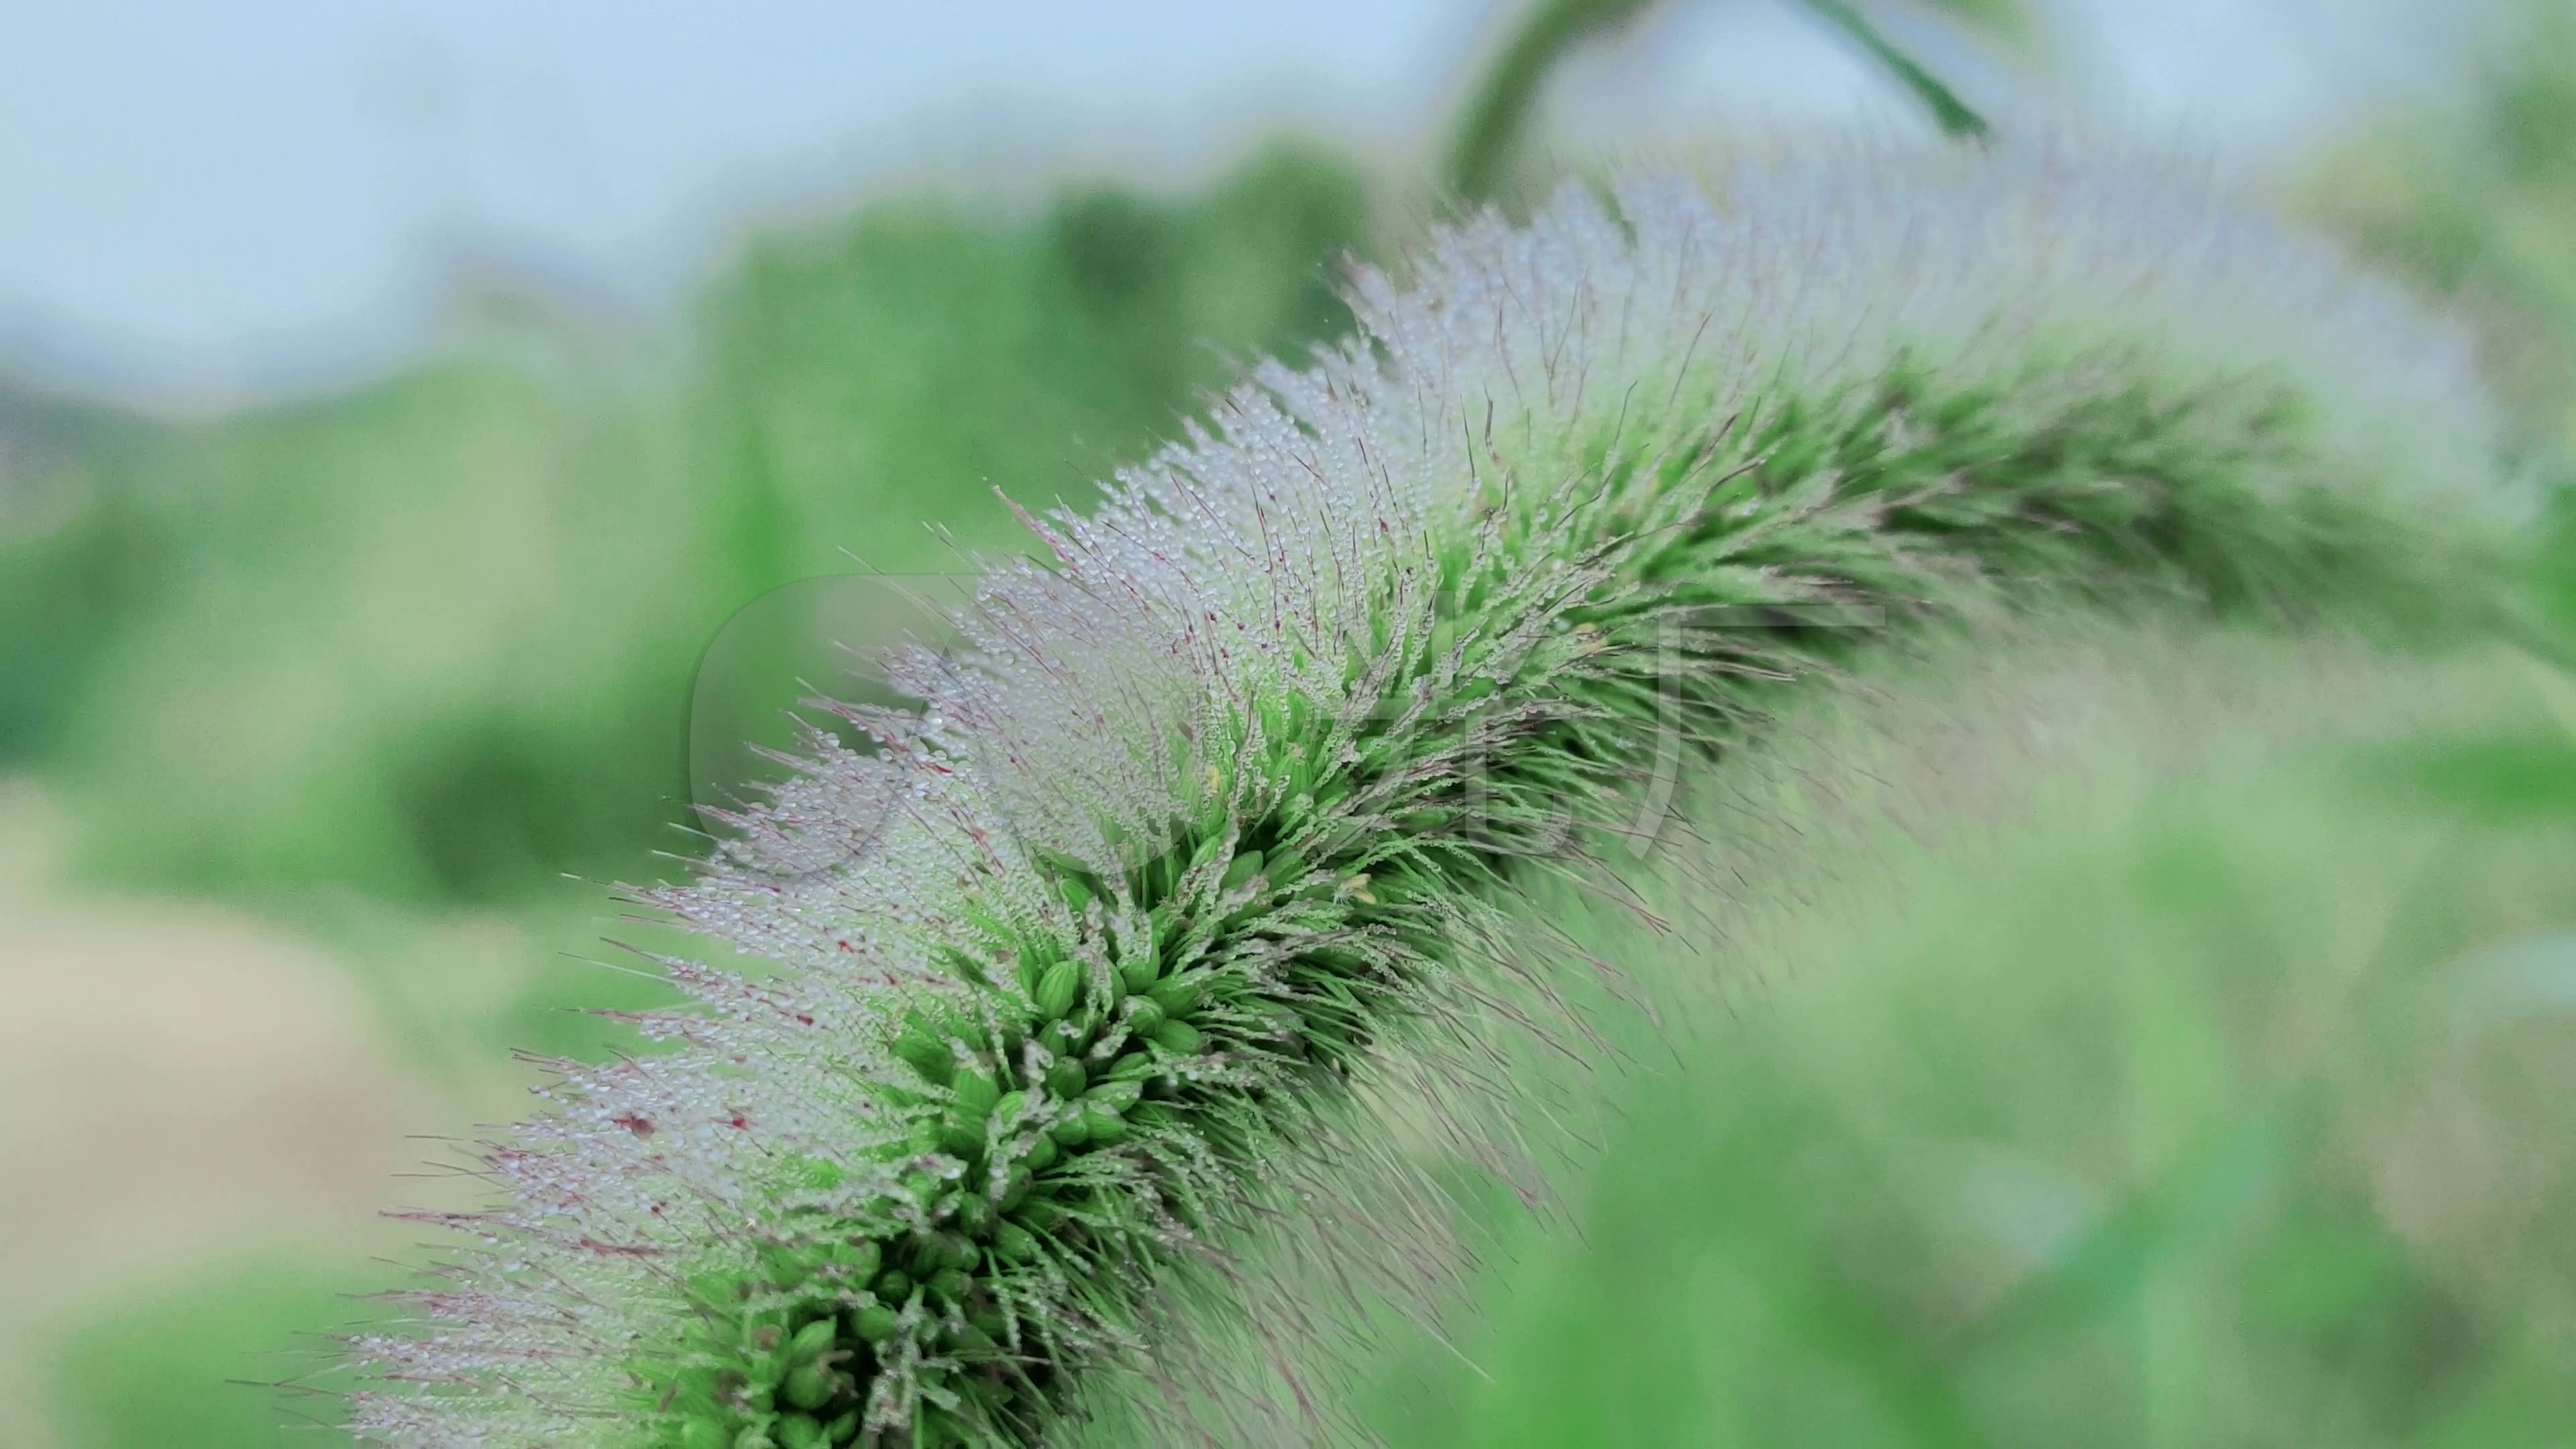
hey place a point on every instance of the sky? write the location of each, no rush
(203, 202)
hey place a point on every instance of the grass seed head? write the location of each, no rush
(1207, 824)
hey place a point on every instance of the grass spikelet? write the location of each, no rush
(1071, 980)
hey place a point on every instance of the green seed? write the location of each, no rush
(856, 1260)
(812, 1341)
(1014, 1243)
(952, 1284)
(976, 1093)
(1179, 1037)
(1057, 989)
(1067, 1078)
(1289, 865)
(1071, 1131)
(926, 1054)
(1143, 1016)
(810, 1387)
(1176, 997)
(1114, 1096)
(876, 1324)
(962, 1136)
(1106, 1127)
(1245, 866)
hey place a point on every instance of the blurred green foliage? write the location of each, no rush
(1485, 154)
(192, 1365)
(1498, 113)
(434, 638)
(78, 553)
(859, 371)
(2221, 1117)
(2476, 203)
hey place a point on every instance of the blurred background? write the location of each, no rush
(397, 399)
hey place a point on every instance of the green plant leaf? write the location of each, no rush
(1950, 113)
